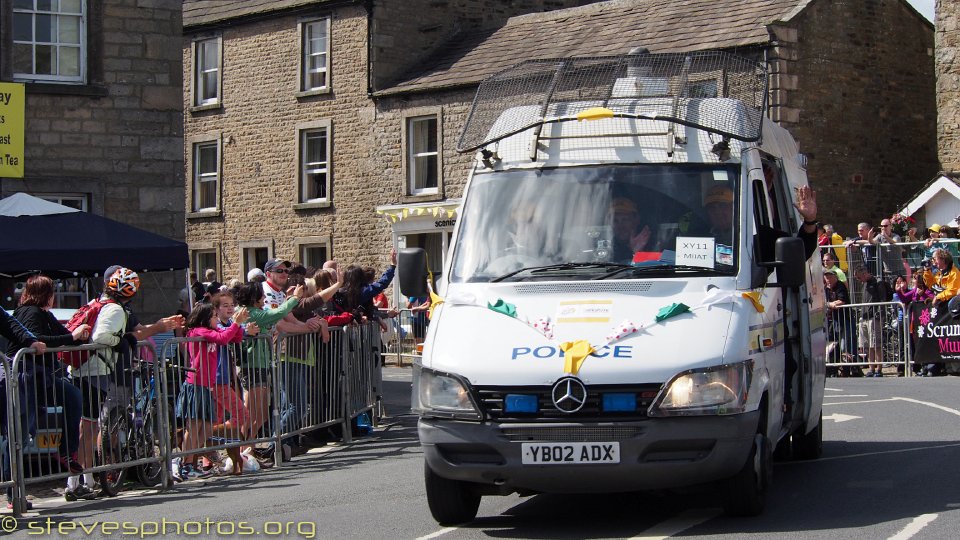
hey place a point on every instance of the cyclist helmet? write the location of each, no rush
(123, 283)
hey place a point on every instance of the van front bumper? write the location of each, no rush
(658, 453)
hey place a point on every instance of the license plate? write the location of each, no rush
(48, 440)
(569, 453)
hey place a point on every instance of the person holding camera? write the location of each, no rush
(944, 278)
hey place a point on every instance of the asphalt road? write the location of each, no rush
(891, 469)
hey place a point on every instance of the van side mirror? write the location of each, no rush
(790, 262)
(412, 272)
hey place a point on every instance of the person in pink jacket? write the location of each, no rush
(195, 405)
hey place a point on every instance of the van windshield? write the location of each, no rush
(602, 222)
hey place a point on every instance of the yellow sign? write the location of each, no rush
(12, 104)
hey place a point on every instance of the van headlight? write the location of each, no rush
(443, 395)
(709, 391)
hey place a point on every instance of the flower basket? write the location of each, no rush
(902, 224)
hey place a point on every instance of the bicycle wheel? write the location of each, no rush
(113, 437)
(148, 444)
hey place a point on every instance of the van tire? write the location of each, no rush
(451, 501)
(809, 445)
(746, 491)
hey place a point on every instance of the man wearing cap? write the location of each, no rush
(839, 322)
(627, 239)
(293, 377)
(932, 243)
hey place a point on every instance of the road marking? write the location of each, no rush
(833, 389)
(857, 402)
(837, 417)
(928, 404)
(867, 454)
(678, 524)
(441, 532)
(914, 526)
(847, 395)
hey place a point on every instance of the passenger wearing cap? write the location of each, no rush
(719, 207)
(629, 236)
(718, 204)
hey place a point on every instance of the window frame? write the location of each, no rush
(307, 242)
(248, 247)
(197, 103)
(58, 198)
(301, 202)
(83, 46)
(197, 251)
(303, 71)
(193, 163)
(409, 155)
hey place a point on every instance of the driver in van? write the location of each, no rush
(629, 234)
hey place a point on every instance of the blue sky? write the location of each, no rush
(924, 6)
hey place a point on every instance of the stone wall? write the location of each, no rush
(402, 40)
(948, 83)
(119, 139)
(858, 95)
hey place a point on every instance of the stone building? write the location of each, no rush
(948, 84)
(284, 147)
(104, 124)
(853, 82)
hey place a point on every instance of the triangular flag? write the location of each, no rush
(435, 300)
(754, 298)
(672, 310)
(506, 308)
(574, 353)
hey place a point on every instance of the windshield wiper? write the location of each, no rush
(562, 266)
(662, 268)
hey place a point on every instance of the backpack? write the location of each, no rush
(87, 314)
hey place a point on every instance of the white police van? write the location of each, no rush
(618, 311)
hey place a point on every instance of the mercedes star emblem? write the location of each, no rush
(569, 395)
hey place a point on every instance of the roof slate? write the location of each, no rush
(203, 12)
(604, 28)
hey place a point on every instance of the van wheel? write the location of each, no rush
(747, 490)
(809, 445)
(450, 501)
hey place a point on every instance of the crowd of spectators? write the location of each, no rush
(226, 389)
(885, 265)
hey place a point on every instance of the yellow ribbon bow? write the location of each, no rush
(574, 353)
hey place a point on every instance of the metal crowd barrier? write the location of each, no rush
(8, 445)
(288, 386)
(410, 329)
(867, 334)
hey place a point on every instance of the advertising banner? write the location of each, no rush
(12, 104)
(935, 333)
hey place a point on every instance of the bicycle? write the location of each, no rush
(133, 433)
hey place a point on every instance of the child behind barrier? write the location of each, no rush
(257, 364)
(195, 403)
(225, 394)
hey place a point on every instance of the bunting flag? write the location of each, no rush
(544, 326)
(716, 297)
(625, 329)
(672, 310)
(754, 298)
(398, 215)
(506, 308)
(574, 353)
(435, 300)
